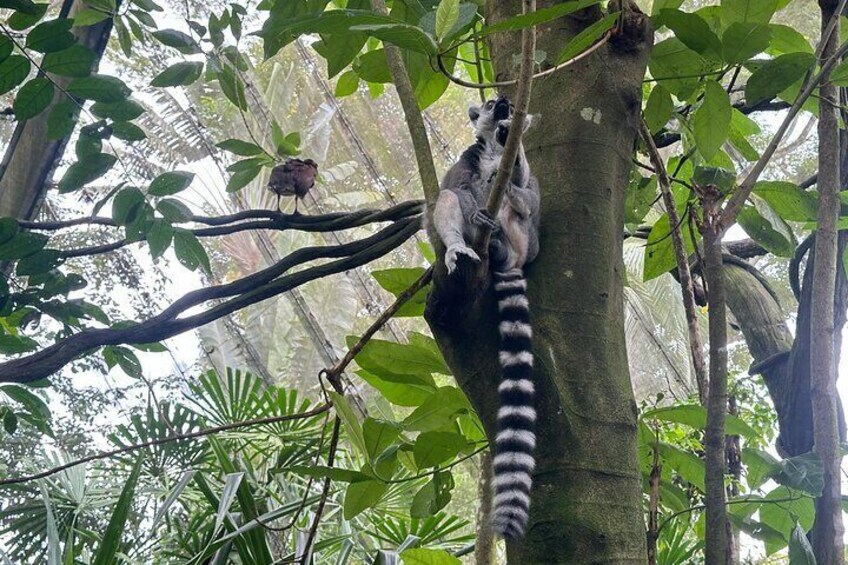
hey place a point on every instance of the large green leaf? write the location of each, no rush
(781, 509)
(22, 245)
(179, 74)
(397, 281)
(741, 41)
(692, 30)
(362, 495)
(800, 550)
(658, 109)
(711, 122)
(159, 237)
(33, 98)
(108, 549)
(180, 41)
(446, 15)
(753, 11)
(51, 36)
(100, 88)
(677, 67)
(764, 233)
(420, 556)
(788, 200)
(695, 415)
(659, 250)
(13, 71)
(122, 111)
(75, 61)
(439, 411)
(400, 394)
(540, 16)
(400, 363)
(86, 170)
(434, 448)
(170, 183)
(190, 252)
(584, 40)
(776, 75)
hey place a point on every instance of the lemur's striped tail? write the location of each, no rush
(516, 439)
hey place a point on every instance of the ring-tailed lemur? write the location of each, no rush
(458, 213)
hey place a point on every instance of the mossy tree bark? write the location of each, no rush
(586, 500)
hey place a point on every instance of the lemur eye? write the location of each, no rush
(489, 104)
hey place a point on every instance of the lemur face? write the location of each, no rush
(492, 119)
(487, 117)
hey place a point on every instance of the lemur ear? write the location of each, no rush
(528, 120)
(473, 113)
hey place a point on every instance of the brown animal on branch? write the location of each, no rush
(295, 178)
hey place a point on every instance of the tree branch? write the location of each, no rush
(734, 205)
(414, 118)
(248, 290)
(684, 275)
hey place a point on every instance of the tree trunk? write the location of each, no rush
(586, 502)
(31, 157)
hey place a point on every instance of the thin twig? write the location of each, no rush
(313, 530)
(159, 441)
(686, 286)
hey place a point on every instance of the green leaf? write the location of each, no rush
(584, 40)
(803, 472)
(659, 250)
(762, 231)
(239, 147)
(800, 550)
(539, 16)
(677, 67)
(420, 556)
(100, 88)
(659, 108)
(124, 358)
(339, 50)
(753, 11)
(128, 132)
(403, 35)
(89, 16)
(9, 228)
(190, 252)
(785, 39)
(711, 121)
(760, 465)
(400, 394)
(75, 61)
(692, 30)
(11, 344)
(62, 119)
(179, 74)
(31, 402)
(782, 508)
(741, 41)
(433, 496)
(685, 463)
(22, 245)
(33, 98)
(446, 15)
(40, 262)
(86, 170)
(51, 36)
(108, 549)
(242, 178)
(178, 40)
(159, 237)
(126, 204)
(362, 495)
(6, 47)
(233, 88)
(173, 210)
(788, 200)
(696, 416)
(122, 111)
(378, 435)
(776, 75)
(10, 421)
(347, 84)
(401, 363)
(170, 183)
(434, 448)
(24, 6)
(13, 71)
(21, 20)
(397, 281)
(439, 411)
(351, 422)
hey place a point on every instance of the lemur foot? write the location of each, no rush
(482, 218)
(454, 251)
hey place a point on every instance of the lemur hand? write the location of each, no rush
(454, 251)
(482, 217)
